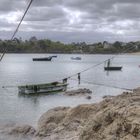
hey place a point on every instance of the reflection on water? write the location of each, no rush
(19, 69)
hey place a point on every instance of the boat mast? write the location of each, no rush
(108, 63)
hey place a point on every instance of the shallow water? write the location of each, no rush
(19, 69)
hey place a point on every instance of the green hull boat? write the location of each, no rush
(42, 88)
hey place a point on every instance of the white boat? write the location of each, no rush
(76, 58)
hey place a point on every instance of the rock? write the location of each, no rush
(81, 91)
(24, 130)
(50, 120)
(88, 97)
(63, 122)
(108, 97)
(116, 118)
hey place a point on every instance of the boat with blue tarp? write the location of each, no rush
(76, 58)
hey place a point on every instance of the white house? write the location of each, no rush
(106, 45)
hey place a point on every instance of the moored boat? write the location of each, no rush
(42, 88)
(76, 58)
(113, 68)
(43, 59)
(54, 56)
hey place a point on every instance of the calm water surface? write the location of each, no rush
(19, 69)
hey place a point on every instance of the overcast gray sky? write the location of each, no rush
(72, 20)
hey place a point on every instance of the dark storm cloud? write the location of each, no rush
(73, 20)
(45, 14)
(11, 5)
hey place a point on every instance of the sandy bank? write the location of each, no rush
(115, 118)
(134, 53)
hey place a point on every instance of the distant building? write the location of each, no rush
(16, 40)
(33, 39)
(91, 47)
(106, 45)
(136, 47)
(77, 51)
(123, 44)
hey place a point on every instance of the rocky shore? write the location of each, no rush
(115, 118)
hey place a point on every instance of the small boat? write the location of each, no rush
(42, 88)
(112, 68)
(54, 56)
(76, 58)
(43, 59)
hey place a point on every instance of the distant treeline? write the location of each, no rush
(33, 45)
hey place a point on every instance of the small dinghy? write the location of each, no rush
(76, 58)
(112, 68)
(54, 56)
(43, 59)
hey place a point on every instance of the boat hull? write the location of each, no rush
(54, 56)
(76, 58)
(43, 59)
(42, 88)
(112, 68)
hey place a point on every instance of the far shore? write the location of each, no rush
(134, 53)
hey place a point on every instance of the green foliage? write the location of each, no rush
(33, 45)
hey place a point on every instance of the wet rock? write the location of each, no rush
(108, 97)
(82, 91)
(24, 130)
(88, 97)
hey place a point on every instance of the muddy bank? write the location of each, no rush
(134, 53)
(80, 92)
(115, 118)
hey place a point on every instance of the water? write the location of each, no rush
(19, 69)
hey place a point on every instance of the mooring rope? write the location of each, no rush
(92, 67)
(95, 65)
(17, 27)
(70, 75)
(105, 85)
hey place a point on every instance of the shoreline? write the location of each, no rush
(135, 53)
(114, 117)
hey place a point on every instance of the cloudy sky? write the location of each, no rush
(72, 20)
